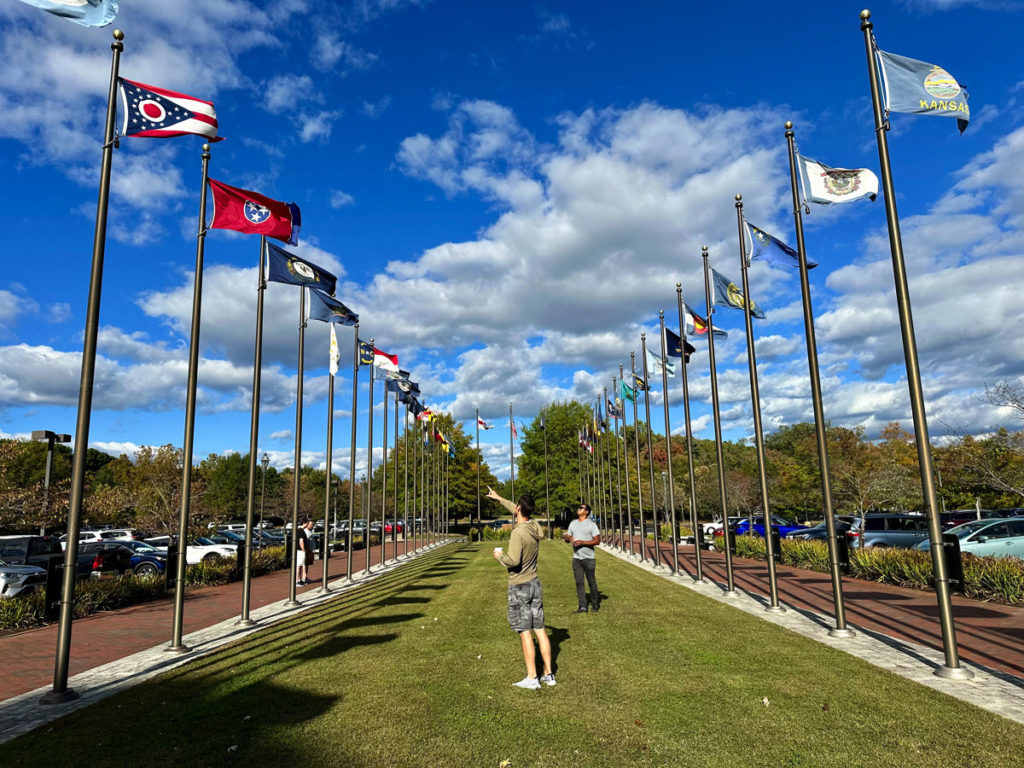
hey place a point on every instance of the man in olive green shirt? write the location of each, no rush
(525, 596)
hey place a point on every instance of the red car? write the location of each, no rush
(392, 525)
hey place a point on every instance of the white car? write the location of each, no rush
(198, 550)
(15, 579)
(83, 536)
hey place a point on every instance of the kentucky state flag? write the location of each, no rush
(254, 214)
(284, 267)
(88, 13)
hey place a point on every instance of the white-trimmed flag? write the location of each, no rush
(335, 352)
(825, 185)
(152, 112)
(483, 424)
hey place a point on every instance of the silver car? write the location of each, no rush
(18, 579)
(989, 538)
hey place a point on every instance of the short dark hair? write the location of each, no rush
(585, 506)
(526, 505)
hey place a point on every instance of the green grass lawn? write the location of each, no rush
(416, 670)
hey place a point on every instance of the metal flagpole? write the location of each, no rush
(689, 439)
(755, 403)
(176, 645)
(668, 441)
(511, 452)
(423, 493)
(60, 691)
(650, 454)
(394, 455)
(547, 486)
(639, 477)
(330, 475)
(730, 581)
(369, 467)
(297, 475)
(405, 494)
(254, 430)
(607, 477)
(352, 455)
(602, 507)
(384, 480)
(840, 629)
(618, 466)
(625, 471)
(479, 461)
(952, 668)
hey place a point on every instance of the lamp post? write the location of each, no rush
(50, 438)
(265, 461)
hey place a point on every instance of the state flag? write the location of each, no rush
(335, 352)
(253, 213)
(365, 353)
(674, 346)
(153, 112)
(919, 88)
(328, 309)
(725, 291)
(695, 325)
(483, 424)
(825, 185)
(88, 13)
(627, 391)
(285, 267)
(763, 246)
(655, 365)
(640, 383)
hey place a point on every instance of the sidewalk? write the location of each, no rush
(989, 634)
(27, 658)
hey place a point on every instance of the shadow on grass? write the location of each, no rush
(557, 636)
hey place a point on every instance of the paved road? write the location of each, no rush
(987, 633)
(27, 658)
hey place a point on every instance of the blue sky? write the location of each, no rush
(508, 193)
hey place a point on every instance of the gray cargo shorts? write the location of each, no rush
(526, 606)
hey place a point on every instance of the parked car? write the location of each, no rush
(39, 551)
(107, 557)
(784, 526)
(710, 529)
(988, 538)
(394, 525)
(500, 525)
(200, 549)
(83, 536)
(889, 529)
(955, 517)
(120, 534)
(20, 579)
(819, 532)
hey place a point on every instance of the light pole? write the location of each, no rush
(50, 438)
(265, 461)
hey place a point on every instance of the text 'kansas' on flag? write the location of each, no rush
(284, 267)
(328, 309)
(764, 247)
(254, 214)
(919, 88)
(152, 112)
(88, 13)
(825, 185)
(728, 293)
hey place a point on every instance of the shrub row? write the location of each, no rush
(95, 595)
(985, 578)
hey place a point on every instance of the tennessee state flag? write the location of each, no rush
(254, 214)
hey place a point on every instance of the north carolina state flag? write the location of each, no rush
(254, 214)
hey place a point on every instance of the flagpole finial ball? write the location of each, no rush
(679, 286)
(661, 314)
(704, 249)
(789, 125)
(738, 198)
(865, 14)
(206, 147)
(118, 35)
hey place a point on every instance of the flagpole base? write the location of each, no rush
(179, 649)
(292, 604)
(841, 633)
(774, 609)
(53, 697)
(246, 622)
(953, 673)
(731, 593)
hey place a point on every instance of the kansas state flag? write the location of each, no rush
(88, 13)
(284, 267)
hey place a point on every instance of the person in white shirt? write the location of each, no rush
(584, 535)
(304, 557)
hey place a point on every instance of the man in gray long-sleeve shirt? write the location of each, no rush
(525, 597)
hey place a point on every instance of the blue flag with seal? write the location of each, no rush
(727, 292)
(919, 88)
(88, 13)
(328, 309)
(767, 248)
(284, 267)
(365, 353)
(675, 347)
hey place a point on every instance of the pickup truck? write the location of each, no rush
(39, 550)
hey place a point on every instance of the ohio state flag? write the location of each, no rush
(153, 112)
(254, 214)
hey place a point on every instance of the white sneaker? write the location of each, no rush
(528, 682)
(548, 679)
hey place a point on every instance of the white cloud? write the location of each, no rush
(340, 199)
(12, 305)
(375, 109)
(317, 127)
(282, 93)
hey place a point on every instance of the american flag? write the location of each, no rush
(158, 113)
(512, 424)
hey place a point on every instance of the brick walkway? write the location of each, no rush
(27, 657)
(987, 633)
